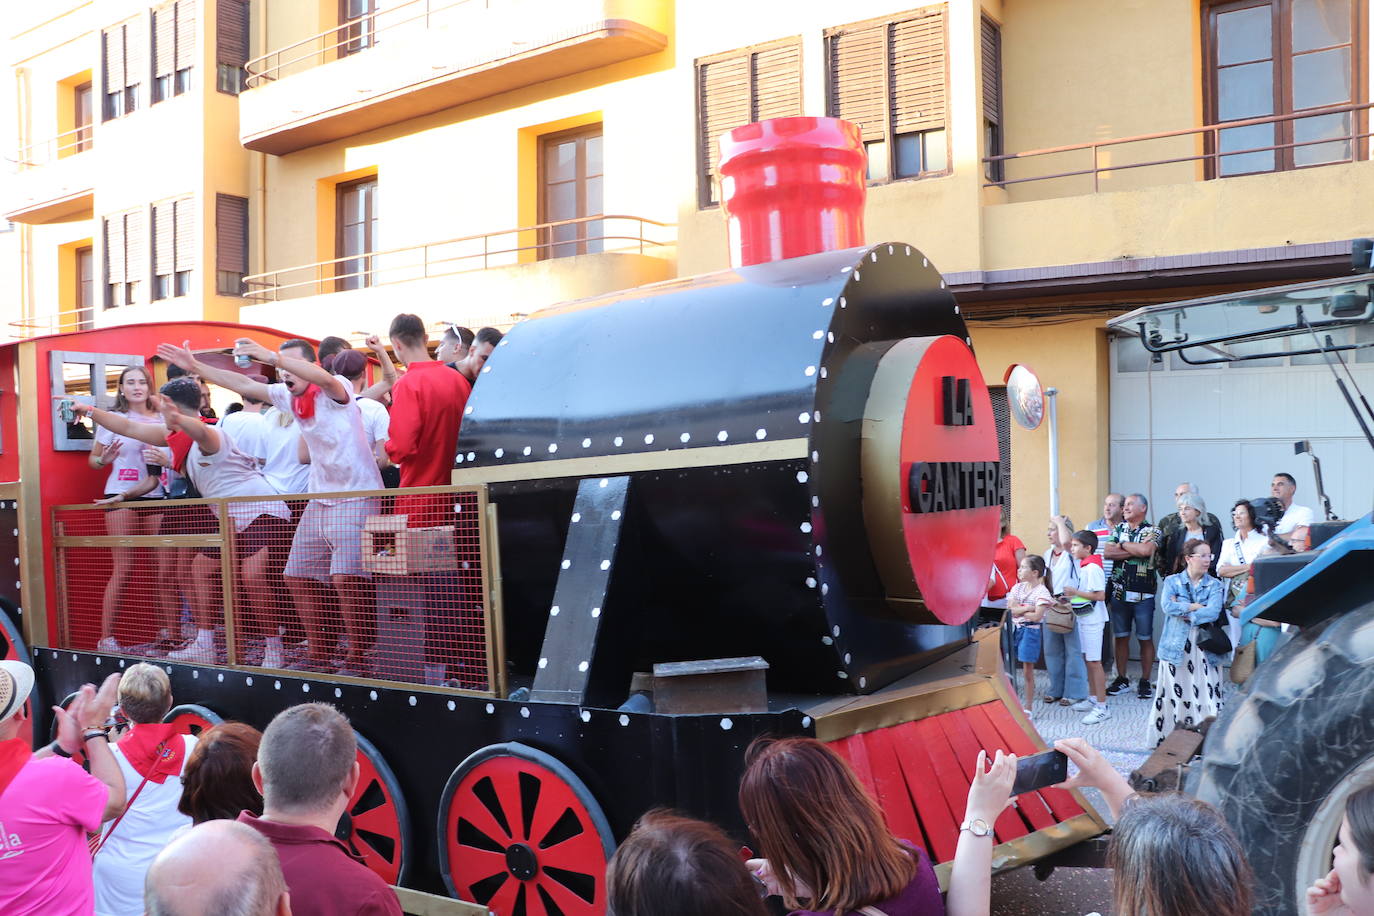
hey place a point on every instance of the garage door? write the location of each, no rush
(1229, 428)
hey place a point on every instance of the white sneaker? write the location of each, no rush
(1084, 705)
(272, 656)
(202, 650)
(1097, 716)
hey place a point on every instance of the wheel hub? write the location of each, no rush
(522, 861)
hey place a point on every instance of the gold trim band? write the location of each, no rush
(668, 459)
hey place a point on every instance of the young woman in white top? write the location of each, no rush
(128, 481)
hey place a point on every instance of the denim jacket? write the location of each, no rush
(1176, 595)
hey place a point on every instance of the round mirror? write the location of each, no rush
(1025, 397)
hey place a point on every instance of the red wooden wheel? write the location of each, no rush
(12, 649)
(192, 718)
(521, 835)
(376, 825)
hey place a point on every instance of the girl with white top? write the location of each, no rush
(129, 481)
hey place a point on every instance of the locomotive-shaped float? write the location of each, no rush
(760, 501)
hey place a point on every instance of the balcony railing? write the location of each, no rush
(1213, 154)
(68, 143)
(564, 238)
(82, 319)
(358, 34)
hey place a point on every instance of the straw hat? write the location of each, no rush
(16, 683)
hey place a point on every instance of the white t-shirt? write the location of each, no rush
(146, 828)
(230, 472)
(281, 459)
(376, 419)
(1091, 578)
(341, 458)
(128, 467)
(1295, 517)
(1235, 552)
(249, 432)
(1061, 569)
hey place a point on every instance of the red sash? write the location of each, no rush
(154, 749)
(14, 753)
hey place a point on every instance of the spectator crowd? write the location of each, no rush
(318, 428)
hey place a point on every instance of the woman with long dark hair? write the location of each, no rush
(828, 849)
(130, 480)
(671, 865)
(1237, 555)
(217, 783)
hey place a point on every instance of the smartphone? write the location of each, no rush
(1048, 768)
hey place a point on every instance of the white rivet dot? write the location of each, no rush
(73, 658)
(810, 581)
(726, 724)
(649, 439)
(567, 564)
(818, 416)
(842, 674)
(825, 373)
(830, 337)
(305, 688)
(722, 436)
(925, 262)
(460, 459)
(815, 457)
(889, 249)
(586, 443)
(825, 589)
(863, 682)
(500, 452)
(846, 658)
(603, 483)
(220, 677)
(615, 516)
(969, 341)
(844, 303)
(526, 450)
(685, 438)
(803, 477)
(819, 550)
(276, 685)
(486, 369)
(942, 284)
(806, 721)
(372, 694)
(338, 692)
(553, 611)
(472, 456)
(605, 565)
(576, 517)
(827, 641)
(804, 417)
(828, 300)
(121, 664)
(806, 527)
(524, 712)
(452, 706)
(553, 447)
(543, 663)
(624, 720)
(845, 270)
(760, 433)
(585, 716)
(618, 441)
(490, 709)
(411, 700)
(98, 661)
(809, 371)
(817, 335)
(468, 410)
(596, 612)
(956, 310)
(835, 631)
(582, 666)
(248, 680)
(815, 502)
(873, 256)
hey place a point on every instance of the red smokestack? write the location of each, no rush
(792, 186)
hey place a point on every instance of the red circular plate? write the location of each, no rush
(521, 835)
(192, 719)
(377, 818)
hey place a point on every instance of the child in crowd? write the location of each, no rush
(1088, 598)
(1026, 601)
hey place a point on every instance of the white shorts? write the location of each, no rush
(329, 540)
(1090, 639)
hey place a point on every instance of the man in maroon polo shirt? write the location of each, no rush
(307, 769)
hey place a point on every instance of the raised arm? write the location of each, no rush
(378, 389)
(331, 385)
(970, 874)
(151, 433)
(225, 378)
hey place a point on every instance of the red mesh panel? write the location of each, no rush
(379, 586)
(920, 773)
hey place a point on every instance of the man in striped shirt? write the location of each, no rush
(1111, 517)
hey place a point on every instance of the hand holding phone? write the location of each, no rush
(1048, 768)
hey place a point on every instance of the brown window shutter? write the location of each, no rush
(777, 82)
(231, 32)
(186, 34)
(113, 42)
(231, 233)
(114, 248)
(136, 247)
(135, 52)
(164, 41)
(185, 247)
(992, 71)
(164, 235)
(722, 104)
(917, 72)
(855, 57)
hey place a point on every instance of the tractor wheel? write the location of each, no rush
(1289, 750)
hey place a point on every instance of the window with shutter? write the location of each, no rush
(113, 243)
(112, 80)
(184, 247)
(992, 97)
(164, 234)
(231, 244)
(740, 87)
(174, 246)
(137, 67)
(231, 45)
(174, 48)
(136, 255)
(890, 77)
(185, 57)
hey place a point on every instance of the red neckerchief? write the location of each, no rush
(141, 748)
(304, 406)
(1091, 559)
(14, 753)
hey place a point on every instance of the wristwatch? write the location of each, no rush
(976, 826)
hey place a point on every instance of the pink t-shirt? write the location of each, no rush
(45, 865)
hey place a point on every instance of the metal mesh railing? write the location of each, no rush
(384, 585)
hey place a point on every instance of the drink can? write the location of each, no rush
(243, 360)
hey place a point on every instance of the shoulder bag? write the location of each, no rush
(1059, 617)
(1211, 637)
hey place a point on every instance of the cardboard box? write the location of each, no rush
(392, 549)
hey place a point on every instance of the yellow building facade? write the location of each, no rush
(475, 161)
